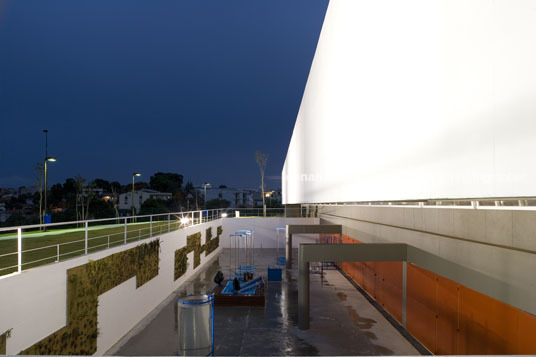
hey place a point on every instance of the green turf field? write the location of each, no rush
(41, 247)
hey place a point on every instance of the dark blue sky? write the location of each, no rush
(194, 87)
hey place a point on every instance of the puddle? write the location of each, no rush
(370, 335)
(342, 296)
(361, 322)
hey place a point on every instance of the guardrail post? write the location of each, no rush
(125, 230)
(57, 252)
(108, 241)
(150, 226)
(85, 240)
(169, 222)
(19, 248)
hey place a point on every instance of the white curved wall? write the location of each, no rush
(418, 99)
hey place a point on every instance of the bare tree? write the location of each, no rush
(39, 175)
(115, 198)
(80, 183)
(261, 161)
(90, 194)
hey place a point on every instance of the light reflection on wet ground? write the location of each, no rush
(336, 326)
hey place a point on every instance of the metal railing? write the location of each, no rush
(488, 203)
(253, 212)
(25, 247)
(29, 246)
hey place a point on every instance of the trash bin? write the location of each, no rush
(195, 325)
(47, 219)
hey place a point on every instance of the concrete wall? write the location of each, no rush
(498, 243)
(33, 303)
(265, 234)
(417, 99)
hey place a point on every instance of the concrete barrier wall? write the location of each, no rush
(498, 243)
(33, 303)
(447, 317)
(265, 234)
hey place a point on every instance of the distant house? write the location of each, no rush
(140, 196)
(237, 197)
(3, 213)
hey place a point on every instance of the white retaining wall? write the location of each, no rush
(33, 303)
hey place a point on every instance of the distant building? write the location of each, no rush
(125, 199)
(237, 197)
(23, 190)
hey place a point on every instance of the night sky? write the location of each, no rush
(193, 87)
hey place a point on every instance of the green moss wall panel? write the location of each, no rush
(84, 285)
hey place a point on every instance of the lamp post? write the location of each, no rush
(47, 159)
(132, 203)
(205, 185)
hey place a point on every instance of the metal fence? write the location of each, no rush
(29, 246)
(25, 247)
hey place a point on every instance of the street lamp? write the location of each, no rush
(205, 188)
(132, 203)
(47, 159)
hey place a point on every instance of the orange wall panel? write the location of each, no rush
(391, 288)
(527, 333)
(369, 279)
(421, 305)
(447, 316)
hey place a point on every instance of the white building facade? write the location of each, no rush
(125, 199)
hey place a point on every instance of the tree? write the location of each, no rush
(84, 194)
(153, 206)
(217, 203)
(39, 176)
(166, 182)
(56, 194)
(100, 209)
(69, 191)
(80, 182)
(261, 161)
(189, 192)
(116, 188)
(105, 185)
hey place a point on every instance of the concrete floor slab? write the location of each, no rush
(343, 322)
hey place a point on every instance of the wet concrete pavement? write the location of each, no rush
(343, 322)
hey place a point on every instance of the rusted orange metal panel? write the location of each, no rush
(421, 305)
(473, 337)
(391, 288)
(448, 318)
(527, 333)
(447, 301)
(369, 279)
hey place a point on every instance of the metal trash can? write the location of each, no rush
(195, 325)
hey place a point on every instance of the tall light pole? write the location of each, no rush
(133, 176)
(47, 159)
(205, 185)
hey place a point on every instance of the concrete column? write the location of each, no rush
(303, 295)
(288, 248)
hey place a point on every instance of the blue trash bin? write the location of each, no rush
(274, 273)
